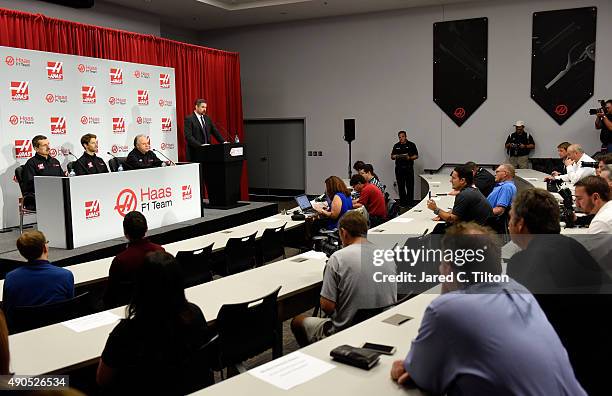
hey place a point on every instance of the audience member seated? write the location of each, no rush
(153, 350)
(126, 266)
(38, 281)
(367, 171)
(341, 202)
(568, 283)
(372, 198)
(356, 167)
(504, 191)
(483, 179)
(593, 197)
(606, 173)
(472, 335)
(604, 160)
(141, 157)
(470, 204)
(41, 164)
(347, 284)
(559, 168)
(573, 165)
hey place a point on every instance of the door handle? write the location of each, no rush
(263, 158)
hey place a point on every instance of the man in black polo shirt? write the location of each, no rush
(404, 153)
(483, 179)
(41, 164)
(89, 163)
(141, 157)
(470, 204)
(518, 146)
(603, 122)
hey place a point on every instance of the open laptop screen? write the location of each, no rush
(303, 202)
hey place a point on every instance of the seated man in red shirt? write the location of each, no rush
(372, 198)
(125, 268)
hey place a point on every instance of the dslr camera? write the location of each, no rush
(602, 103)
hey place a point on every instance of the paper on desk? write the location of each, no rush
(314, 255)
(402, 220)
(91, 321)
(532, 178)
(268, 220)
(291, 370)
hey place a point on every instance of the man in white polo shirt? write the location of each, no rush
(574, 165)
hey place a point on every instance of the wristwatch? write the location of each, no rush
(436, 211)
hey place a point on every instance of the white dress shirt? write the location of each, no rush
(576, 171)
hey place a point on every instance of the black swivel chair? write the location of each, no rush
(113, 164)
(26, 201)
(271, 245)
(248, 329)
(31, 317)
(240, 254)
(196, 265)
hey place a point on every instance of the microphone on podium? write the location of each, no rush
(157, 151)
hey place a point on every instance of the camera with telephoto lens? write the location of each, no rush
(589, 165)
(567, 211)
(554, 185)
(602, 103)
(327, 242)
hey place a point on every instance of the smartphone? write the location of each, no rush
(380, 348)
(430, 195)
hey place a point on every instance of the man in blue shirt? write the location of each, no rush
(485, 337)
(38, 282)
(504, 191)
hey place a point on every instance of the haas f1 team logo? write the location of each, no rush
(118, 125)
(116, 75)
(186, 190)
(88, 93)
(23, 148)
(164, 80)
(143, 97)
(20, 90)
(58, 125)
(92, 209)
(166, 124)
(55, 71)
(126, 202)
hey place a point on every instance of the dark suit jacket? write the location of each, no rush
(195, 135)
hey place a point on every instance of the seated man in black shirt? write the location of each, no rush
(572, 289)
(141, 157)
(41, 164)
(89, 163)
(470, 204)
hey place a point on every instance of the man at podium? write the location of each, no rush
(199, 128)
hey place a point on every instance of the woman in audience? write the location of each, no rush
(340, 198)
(156, 349)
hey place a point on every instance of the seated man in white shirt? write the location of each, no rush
(593, 197)
(575, 170)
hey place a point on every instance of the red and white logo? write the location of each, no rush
(55, 71)
(87, 68)
(164, 102)
(92, 209)
(142, 74)
(126, 202)
(23, 120)
(118, 125)
(143, 120)
(167, 146)
(115, 100)
(20, 90)
(119, 149)
(143, 97)
(23, 148)
(164, 80)
(186, 192)
(88, 93)
(166, 124)
(58, 125)
(14, 120)
(52, 98)
(10, 61)
(95, 120)
(116, 75)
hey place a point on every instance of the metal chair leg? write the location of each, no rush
(20, 222)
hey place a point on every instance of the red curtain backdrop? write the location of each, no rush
(200, 72)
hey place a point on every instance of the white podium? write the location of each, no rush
(81, 210)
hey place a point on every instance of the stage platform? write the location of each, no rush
(213, 220)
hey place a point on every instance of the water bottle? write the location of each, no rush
(120, 167)
(71, 173)
(236, 140)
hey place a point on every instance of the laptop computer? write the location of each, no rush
(304, 204)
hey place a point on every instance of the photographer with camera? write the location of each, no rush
(603, 122)
(518, 145)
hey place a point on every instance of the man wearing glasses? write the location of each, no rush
(41, 164)
(504, 191)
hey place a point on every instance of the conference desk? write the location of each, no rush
(69, 209)
(57, 349)
(344, 379)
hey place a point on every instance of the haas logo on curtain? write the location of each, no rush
(23, 148)
(143, 97)
(20, 90)
(88, 93)
(55, 71)
(58, 125)
(166, 124)
(116, 76)
(118, 125)
(164, 80)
